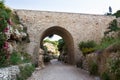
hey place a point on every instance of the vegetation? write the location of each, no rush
(46, 55)
(25, 57)
(87, 47)
(105, 76)
(59, 47)
(52, 42)
(61, 44)
(112, 27)
(15, 58)
(114, 66)
(25, 72)
(2, 58)
(117, 14)
(109, 45)
(106, 42)
(5, 14)
(50, 53)
(9, 20)
(93, 68)
(18, 58)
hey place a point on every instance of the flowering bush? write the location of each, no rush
(4, 22)
(11, 31)
(114, 66)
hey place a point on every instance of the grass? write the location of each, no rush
(15, 58)
(25, 72)
(106, 42)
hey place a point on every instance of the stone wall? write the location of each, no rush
(118, 21)
(81, 27)
(10, 73)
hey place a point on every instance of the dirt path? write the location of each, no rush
(58, 71)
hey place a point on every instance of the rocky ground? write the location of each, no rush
(59, 71)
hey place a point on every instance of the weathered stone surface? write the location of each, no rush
(9, 73)
(40, 59)
(73, 27)
(118, 22)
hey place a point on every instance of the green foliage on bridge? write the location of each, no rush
(117, 14)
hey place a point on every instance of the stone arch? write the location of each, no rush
(67, 38)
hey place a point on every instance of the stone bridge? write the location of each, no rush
(72, 27)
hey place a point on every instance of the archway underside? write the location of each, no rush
(67, 38)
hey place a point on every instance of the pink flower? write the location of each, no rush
(6, 29)
(6, 45)
(9, 22)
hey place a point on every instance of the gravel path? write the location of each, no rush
(59, 71)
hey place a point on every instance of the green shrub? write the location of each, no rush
(87, 50)
(87, 44)
(4, 16)
(18, 58)
(112, 27)
(105, 76)
(115, 47)
(2, 58)
(15, 58)
(87, 47)
(2, 39)
(114, 66)
(106, 42)
(93, 68)
(61, 44)
(26, 57)
(25, 72)
(3, 19)
(117, 14)
(15, 18)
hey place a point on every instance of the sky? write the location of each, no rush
(54, 38)
(75, 6)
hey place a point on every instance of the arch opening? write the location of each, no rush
(66, 37)
(52, 46)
